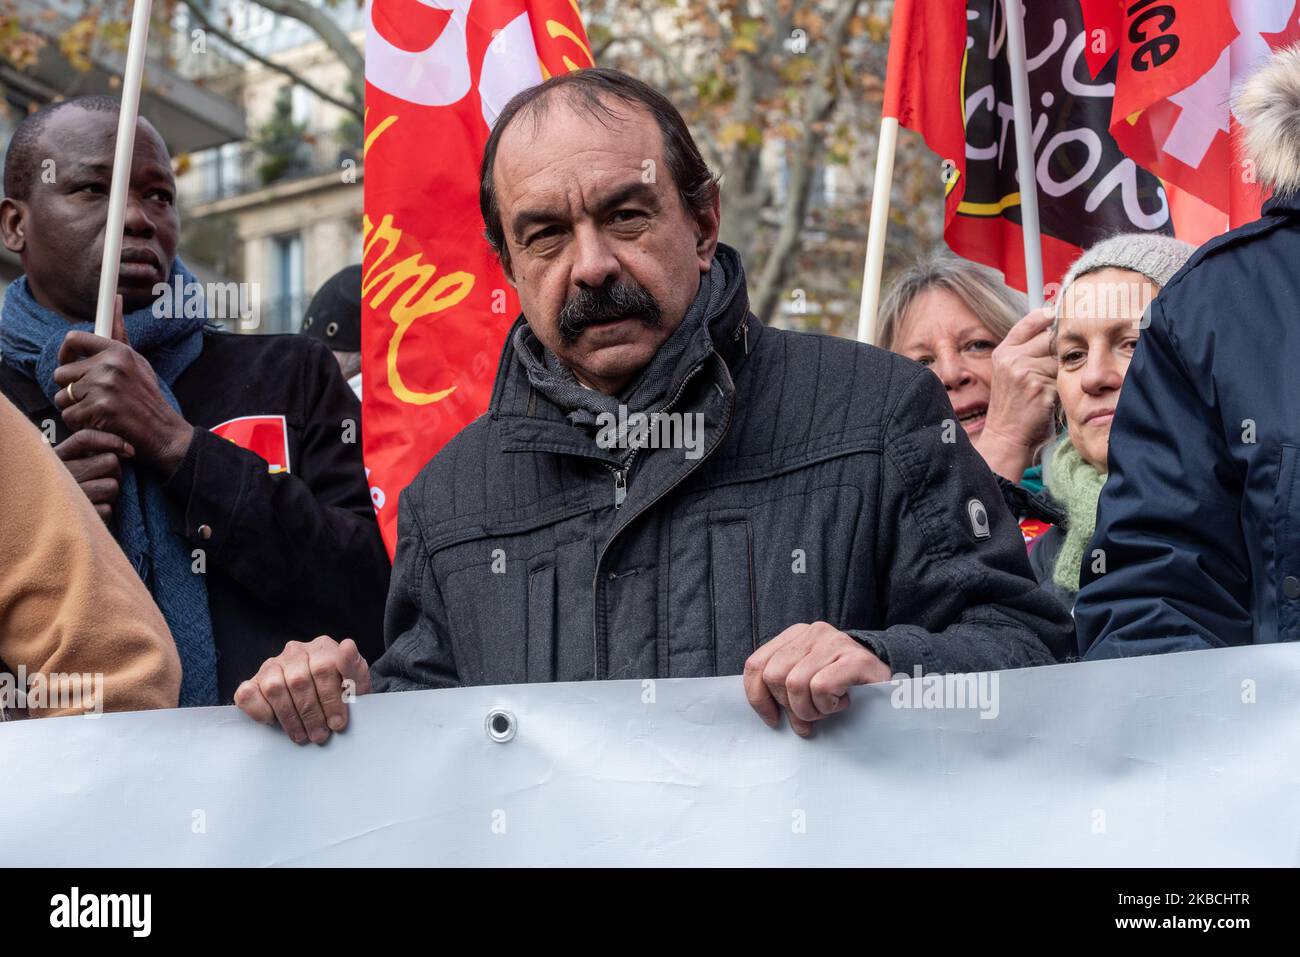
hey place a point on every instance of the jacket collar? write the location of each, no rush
(1283, 206)
(532, 422)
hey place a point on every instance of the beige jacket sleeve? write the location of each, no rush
(70, 602)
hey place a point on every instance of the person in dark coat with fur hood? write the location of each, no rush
(1198, 530)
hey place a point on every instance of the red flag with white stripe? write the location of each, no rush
(1178, 62)
(435, 305)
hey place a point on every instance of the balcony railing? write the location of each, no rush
(274, 314)
(284, 313)
(190, 115)
(246, 167)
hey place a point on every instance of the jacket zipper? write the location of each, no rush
(743, 330)
(600, 555)
(621, 474)
(620, 482)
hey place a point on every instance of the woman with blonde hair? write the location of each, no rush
(991, 353)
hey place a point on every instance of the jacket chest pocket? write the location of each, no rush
(1286, 558)
(731, 582)
(539, 658)
(487, 612)
(510, 600)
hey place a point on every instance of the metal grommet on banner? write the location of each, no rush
(501, 725)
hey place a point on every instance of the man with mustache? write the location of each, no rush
(242, 548)
(837, 528)
(591, 307)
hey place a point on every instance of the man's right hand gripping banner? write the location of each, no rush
(435, 304)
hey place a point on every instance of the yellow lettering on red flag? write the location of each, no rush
(424, 295)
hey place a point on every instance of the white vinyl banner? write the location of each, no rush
(1179, 760)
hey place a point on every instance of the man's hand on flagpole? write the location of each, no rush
(808, 670)
(306, 688)
(109, 387)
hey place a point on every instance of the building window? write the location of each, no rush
(221, 171)
(248, 20)
(300, 104)
(287, 302)
(356, 245)
(232, 161)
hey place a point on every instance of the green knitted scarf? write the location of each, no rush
(1076, 485)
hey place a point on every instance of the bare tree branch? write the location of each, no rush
(803, 163)
(201, 16)
(323, 25)
(673, 62)
(773, 14)
(746, 191)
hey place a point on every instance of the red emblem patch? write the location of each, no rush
(264, 435)
(1032, 530)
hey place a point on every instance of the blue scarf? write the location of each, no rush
(30, 337)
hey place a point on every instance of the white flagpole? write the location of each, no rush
(122, 167)
(886, 148)
(881, 189)
(1015, 14)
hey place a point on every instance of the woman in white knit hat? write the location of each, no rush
(1098, 319)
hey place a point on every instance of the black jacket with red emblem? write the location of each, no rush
(289, 554)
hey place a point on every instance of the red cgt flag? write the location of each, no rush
(435, 305)
(1177, 64)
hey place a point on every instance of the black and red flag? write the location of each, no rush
(952, 84)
